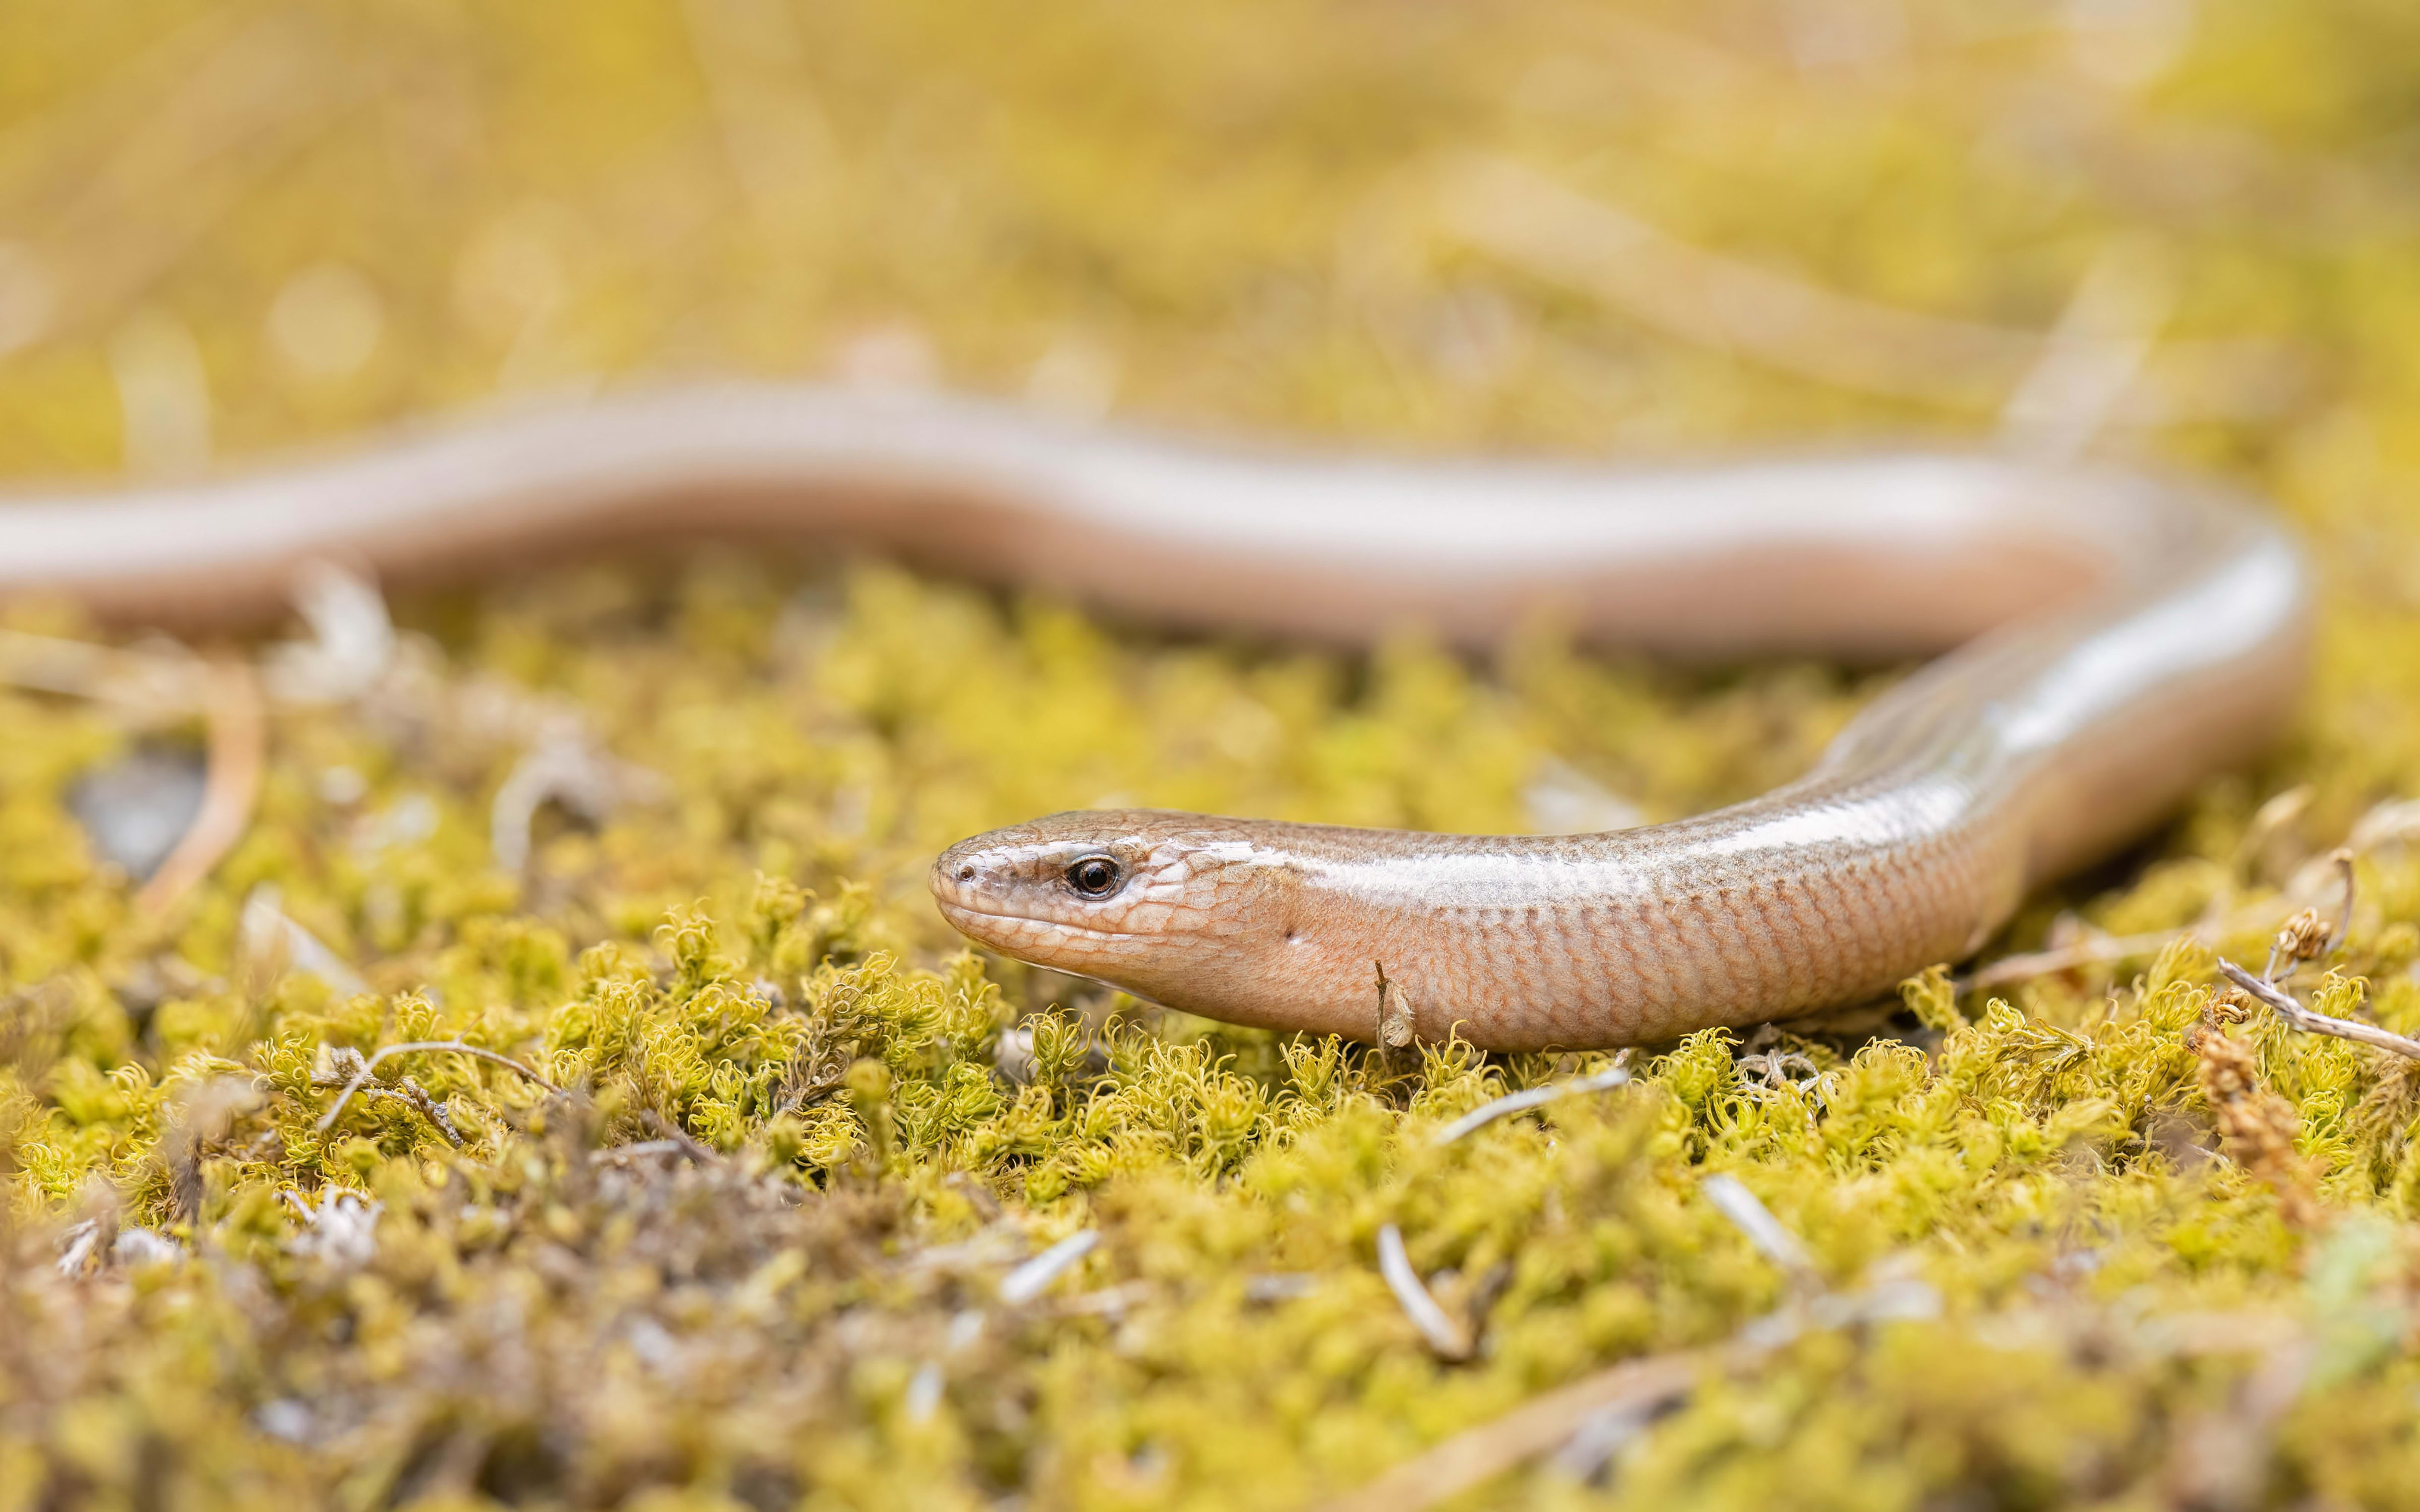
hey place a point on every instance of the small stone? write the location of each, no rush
(136, 809)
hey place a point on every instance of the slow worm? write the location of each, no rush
(2112, 638)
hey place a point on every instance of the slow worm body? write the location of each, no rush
(2117, 637)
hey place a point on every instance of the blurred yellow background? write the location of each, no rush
(226, 227)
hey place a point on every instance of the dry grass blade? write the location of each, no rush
(1446, 1340)
(1720, 302)
(1637, 1390)
(1481, 1454)
(1030, 1279)
(2093, 356)
(2221, 1458)
(147, 683)
(633, 1151)
(1512, 1102)
(239, 747)
(1750, 1217)
(369, 1069)
(2341, 858)
(1726, 305)
(2106, 951)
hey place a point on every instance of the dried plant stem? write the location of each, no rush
(151, 685)
(2094, 952)
(2114, 948)
(645, 1146)
(1771, 1237)
(2342, 856)
(2304, 938)
(2255, 1127)
(2303, 1018)
(238, 748)
(681, 1139)
(362, 1077)
(1484, 1453)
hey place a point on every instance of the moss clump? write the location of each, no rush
(760, 1248)
(756, 1250)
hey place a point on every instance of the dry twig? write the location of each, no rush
(2299, 1017)
(346, 1063)
(2255, 1126)
(361, 1077)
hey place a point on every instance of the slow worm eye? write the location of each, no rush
(1095, 876)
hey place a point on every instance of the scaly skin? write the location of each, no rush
(2135, 636)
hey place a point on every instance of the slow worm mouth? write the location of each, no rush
(968, 920)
